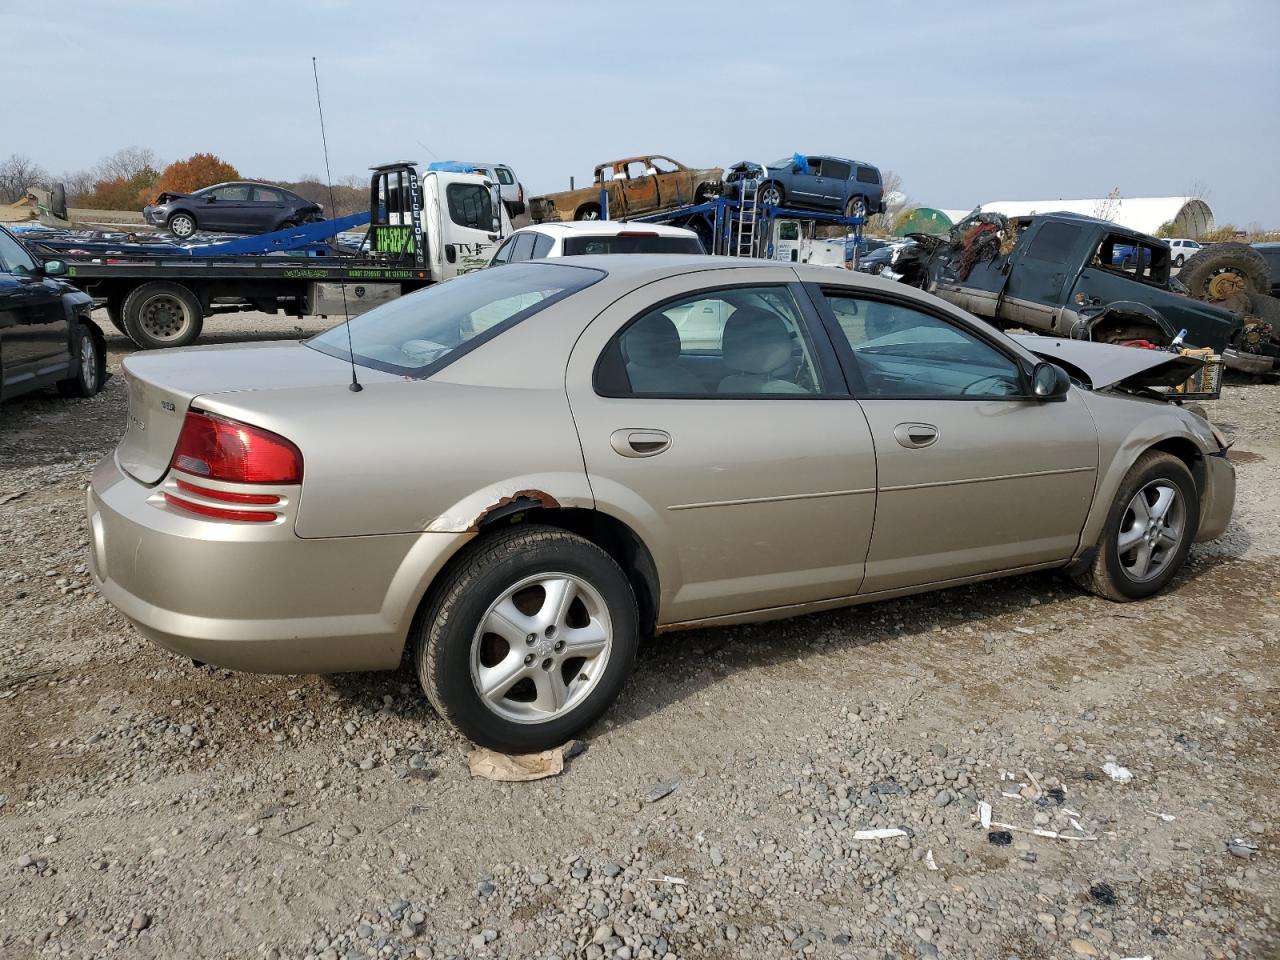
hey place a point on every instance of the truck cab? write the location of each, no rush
(1059, 274)
(437, 224)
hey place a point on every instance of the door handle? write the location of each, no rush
(632, 442)
(915, 435)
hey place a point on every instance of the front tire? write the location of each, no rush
(1148, 531)
(528, 639)
(770, 194)
(182, 225)
(91, 367)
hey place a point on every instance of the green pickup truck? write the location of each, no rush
(1063, 274)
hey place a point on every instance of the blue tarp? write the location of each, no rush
(452, 166)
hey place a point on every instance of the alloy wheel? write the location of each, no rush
(1151, 530)
(88, 362)
(541, 648)
(771, 196)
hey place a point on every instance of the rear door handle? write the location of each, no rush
(915, 434)
(637, 442)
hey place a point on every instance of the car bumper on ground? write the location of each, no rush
(256, 596)
(1219, 499)
(1247, 362)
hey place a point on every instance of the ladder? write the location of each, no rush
(748, 216)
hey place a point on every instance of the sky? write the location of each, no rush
(968, 103)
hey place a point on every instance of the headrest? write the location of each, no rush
(755, 341)
(652, 341)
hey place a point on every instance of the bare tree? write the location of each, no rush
(1108, 206)
(78, 184)
(895, 202)
(127, 163)
(17, 174)
(1198, 191)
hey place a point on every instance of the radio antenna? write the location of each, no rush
(333, 209)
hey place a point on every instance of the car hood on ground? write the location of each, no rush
(1109, 365)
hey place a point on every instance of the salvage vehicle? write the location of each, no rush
(590, 237)
(46, 336)
(1054, 273)
(240, 207)
(821, 183)
(261, 515)
(634, 186)
(422, 230)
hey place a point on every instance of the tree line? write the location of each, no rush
(133, 177)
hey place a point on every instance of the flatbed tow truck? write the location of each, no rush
(423, 228)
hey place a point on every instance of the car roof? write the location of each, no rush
(604, 228)
(243, 183)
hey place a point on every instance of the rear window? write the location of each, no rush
(418, 334)
(1053, 242)
(622, 243)
(505, 176)
(470, 205)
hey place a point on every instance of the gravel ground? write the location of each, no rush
(152, 808)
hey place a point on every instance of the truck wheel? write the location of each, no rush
(91, 368)
(528, 639)
(1148, 530)
(1226, 273)
(1265, 307)
(182, 225)
(162, 314)
(856, 207)
(588, 211)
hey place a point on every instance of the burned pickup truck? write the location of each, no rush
(1056, 273)
(635, 186)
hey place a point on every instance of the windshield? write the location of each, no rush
(621, 243)
(418, 334)
(782, 164)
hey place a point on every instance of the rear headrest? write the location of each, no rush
(755, 341)
(652, 341)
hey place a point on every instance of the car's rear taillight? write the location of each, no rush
(220, 449)
(520, 195)
(214, 448)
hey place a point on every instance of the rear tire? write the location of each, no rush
(856, 207)
(498, 582)
(162, 314)
(1180, 260)
(1139, 553)
(91, 368)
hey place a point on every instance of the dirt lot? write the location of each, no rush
(152, 808)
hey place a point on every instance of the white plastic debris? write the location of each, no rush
(1116, 772)
(879, 833)
(984, 814)
(929, 861)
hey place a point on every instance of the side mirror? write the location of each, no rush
(210, 198)
(53, 268)
(1049, 381)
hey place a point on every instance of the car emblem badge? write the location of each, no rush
(168, 406)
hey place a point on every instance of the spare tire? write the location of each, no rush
(58, 201)
(1208, 274)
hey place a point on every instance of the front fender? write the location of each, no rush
(1127, 428)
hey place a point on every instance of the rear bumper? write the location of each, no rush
(1219, 499)
(256, 596)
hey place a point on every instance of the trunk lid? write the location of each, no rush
(163, 384)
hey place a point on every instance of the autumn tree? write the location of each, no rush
(184, 176)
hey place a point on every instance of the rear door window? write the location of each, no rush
(505, 176)
(1053, 242)
(835, 169)
(542, 246)
(738, 343)
(470, 205)
(267, 195)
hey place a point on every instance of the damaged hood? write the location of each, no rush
(1103, 365)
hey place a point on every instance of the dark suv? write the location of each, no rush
(46, 336)
(820, 183)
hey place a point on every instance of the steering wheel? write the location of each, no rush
(992, 386)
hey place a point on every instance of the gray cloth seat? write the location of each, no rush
(758, 346)
(651, 349)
